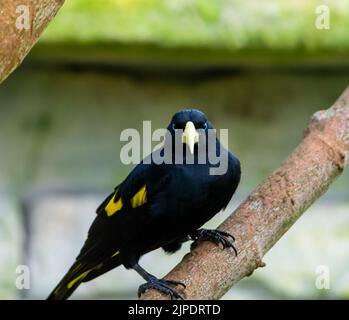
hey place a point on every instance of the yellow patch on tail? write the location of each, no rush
(115, 254)
(82, 276)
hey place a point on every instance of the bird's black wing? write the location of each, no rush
(120, 217)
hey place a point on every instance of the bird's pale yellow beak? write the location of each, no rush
(190, 136)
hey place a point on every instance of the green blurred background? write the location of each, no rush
(260, 69)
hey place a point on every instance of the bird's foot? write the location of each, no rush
(162, 286)
(216, 236)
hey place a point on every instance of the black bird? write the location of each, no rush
(159, 205)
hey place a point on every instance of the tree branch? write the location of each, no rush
(15, 39)
(271, 209)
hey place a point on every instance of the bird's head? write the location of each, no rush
(190, 123)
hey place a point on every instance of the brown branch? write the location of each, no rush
(271, 209)
(16, 42)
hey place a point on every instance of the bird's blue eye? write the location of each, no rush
(204, 126)
(174, 127)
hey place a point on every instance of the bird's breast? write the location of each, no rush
(194, 192)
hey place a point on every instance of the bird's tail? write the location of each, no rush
(79, 273)
(74, 277)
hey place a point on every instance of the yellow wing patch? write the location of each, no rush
(139, 198)
(113, 206)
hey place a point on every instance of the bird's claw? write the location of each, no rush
(162, 286)
(216, 236)
(175, 283)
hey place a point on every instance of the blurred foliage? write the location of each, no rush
(227, 24)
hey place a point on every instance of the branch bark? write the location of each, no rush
(271, 209)
(15, 41)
